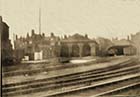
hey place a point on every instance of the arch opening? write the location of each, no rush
(64, 51)
(75, 50)
(86, 50)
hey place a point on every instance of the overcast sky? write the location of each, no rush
(105, 18)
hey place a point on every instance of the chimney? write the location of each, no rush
(27, 35)
(52, 34)
(16, 37)
(0, 19)
(43, 34)
(65, 36)
(128, 38)
(86, 36)
(33, 32)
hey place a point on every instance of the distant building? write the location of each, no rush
(104, 44)
(37, 44)
(78, 46)
(40, 47)
(51, 47)
(6, 46)
(136, 40)
(122, 47)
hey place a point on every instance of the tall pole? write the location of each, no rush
(40, 18)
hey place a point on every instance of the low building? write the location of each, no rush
(122, 50)
(122, 47)
(78, 46)
(53, 47)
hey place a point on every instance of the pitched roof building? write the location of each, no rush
(52, 46)
(78, 46)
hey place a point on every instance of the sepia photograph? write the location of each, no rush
(70, 48)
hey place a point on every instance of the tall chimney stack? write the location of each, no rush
(0, 19)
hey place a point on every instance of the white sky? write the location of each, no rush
(105, 18)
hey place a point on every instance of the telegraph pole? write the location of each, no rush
(40, 18)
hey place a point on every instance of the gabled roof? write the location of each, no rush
(122, 42)
(120, 46)
(77, 37)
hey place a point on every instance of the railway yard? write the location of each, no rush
(118, 76)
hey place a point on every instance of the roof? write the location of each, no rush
(120, 46)
(77, 37)
(122, 42)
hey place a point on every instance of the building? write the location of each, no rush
(38, 47)
(122, 47)
(136, 40)
(78, 46)
(6, 46)
(104, 44)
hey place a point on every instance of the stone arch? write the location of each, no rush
(75, 50)
(64, 51)
(86, 50)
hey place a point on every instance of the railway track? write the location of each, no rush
(49, 68)
(11, 69)
(106, 90)
(72, 88)
(77, 77)
(95, 71)
(74, 82)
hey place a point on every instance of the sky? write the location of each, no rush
(97, 18)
